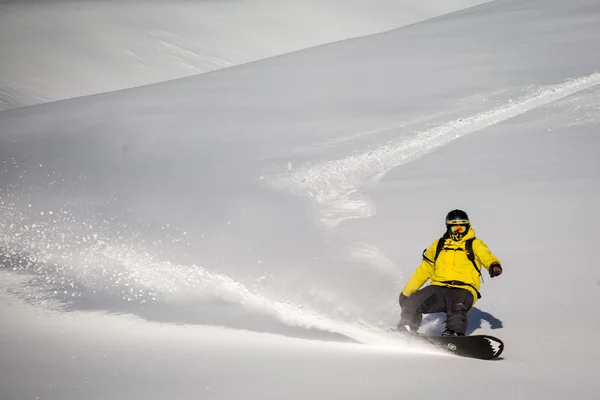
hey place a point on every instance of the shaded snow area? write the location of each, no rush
(55, 49)
(245, 233)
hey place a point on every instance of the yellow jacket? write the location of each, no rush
(452, 265)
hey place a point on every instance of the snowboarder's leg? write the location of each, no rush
(458, 302)
(430, 299)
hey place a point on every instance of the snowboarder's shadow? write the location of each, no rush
(434, 322)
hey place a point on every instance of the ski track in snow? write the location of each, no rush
(335, 185)
(67, 258)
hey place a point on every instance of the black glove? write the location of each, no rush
(495, 270)
(402, 299)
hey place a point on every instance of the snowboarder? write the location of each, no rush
(453, 264)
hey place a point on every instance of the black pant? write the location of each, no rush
(455, 302)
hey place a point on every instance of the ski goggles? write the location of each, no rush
(457, 222)
(458, 228)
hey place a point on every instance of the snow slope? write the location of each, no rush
(185, 239)
(53, 50)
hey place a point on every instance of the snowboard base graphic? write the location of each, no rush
(483, 347)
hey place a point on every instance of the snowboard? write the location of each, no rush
(483, 347)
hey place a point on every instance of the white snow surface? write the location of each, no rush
(245, 233)
(59, 49)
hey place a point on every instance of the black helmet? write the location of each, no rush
(457, 224)
(457, 217)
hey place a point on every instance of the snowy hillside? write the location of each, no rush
(245, 233)
(56, 49)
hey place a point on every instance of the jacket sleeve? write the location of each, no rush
(423, 272)
(483, 254)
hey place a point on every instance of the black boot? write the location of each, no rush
(449, 332)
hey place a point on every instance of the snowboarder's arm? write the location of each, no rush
(423, 272)
(483, 254)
